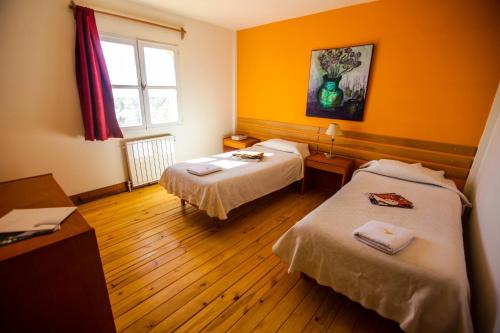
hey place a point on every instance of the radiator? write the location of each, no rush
(148, 158)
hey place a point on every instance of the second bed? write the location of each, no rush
(424, 287)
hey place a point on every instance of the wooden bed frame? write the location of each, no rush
(455, 160)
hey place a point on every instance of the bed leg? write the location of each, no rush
(183, 202)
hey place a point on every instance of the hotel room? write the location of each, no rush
(249, 166)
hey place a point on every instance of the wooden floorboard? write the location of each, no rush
(173, 268)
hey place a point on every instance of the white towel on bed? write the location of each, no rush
(384, 237)
(203, 169)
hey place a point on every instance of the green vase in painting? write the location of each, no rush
(329, 93)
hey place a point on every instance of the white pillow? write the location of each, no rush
(298, 148)
(413, 172)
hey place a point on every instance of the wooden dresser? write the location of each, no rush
(54, 282)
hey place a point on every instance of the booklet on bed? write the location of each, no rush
(248, 155)
(389, 200)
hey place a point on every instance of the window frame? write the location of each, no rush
(142, 86)
(145, 86)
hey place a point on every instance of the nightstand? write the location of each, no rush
(229, 144)
(319, 169)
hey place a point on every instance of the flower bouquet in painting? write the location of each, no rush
(338, 81)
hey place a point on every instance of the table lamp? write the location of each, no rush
(332, 130)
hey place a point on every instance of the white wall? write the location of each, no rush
(483, 188)
(41, 130)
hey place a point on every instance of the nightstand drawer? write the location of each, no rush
(248, 142)
(325, 167)
(227, 149)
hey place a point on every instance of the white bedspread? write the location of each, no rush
(239, 181)
(424, 287)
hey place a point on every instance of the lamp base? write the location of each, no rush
(329, 156)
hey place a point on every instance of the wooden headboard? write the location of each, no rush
(455, 160)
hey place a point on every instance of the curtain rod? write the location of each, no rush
(181, 30)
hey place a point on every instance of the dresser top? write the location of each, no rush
(38, 192)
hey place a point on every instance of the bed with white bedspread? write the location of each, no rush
(424, 287)
(239, 182)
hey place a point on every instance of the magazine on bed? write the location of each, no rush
(389, 200)
(249, 155)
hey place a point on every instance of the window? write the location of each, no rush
(144, 79)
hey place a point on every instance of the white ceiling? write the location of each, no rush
(241, 14)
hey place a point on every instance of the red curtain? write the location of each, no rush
(94, 86)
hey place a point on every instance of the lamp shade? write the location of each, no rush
(332, 130)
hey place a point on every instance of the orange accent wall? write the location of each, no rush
(435, 66)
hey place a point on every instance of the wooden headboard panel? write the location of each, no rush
(455, 160)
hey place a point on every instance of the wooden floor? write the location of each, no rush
(170, 268)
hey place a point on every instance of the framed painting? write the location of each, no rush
(338, 82)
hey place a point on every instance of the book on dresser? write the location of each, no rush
(21, 224)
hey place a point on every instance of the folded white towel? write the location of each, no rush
(384, 236)
(203, 169)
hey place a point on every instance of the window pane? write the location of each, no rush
(120, 61)
(127, 107)
(160, 67)
(163, 106)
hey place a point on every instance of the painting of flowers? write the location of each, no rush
(338, 81)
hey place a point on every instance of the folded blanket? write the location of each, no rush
(384, 237)
(203, 169)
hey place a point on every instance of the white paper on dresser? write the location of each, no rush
(19, 220)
